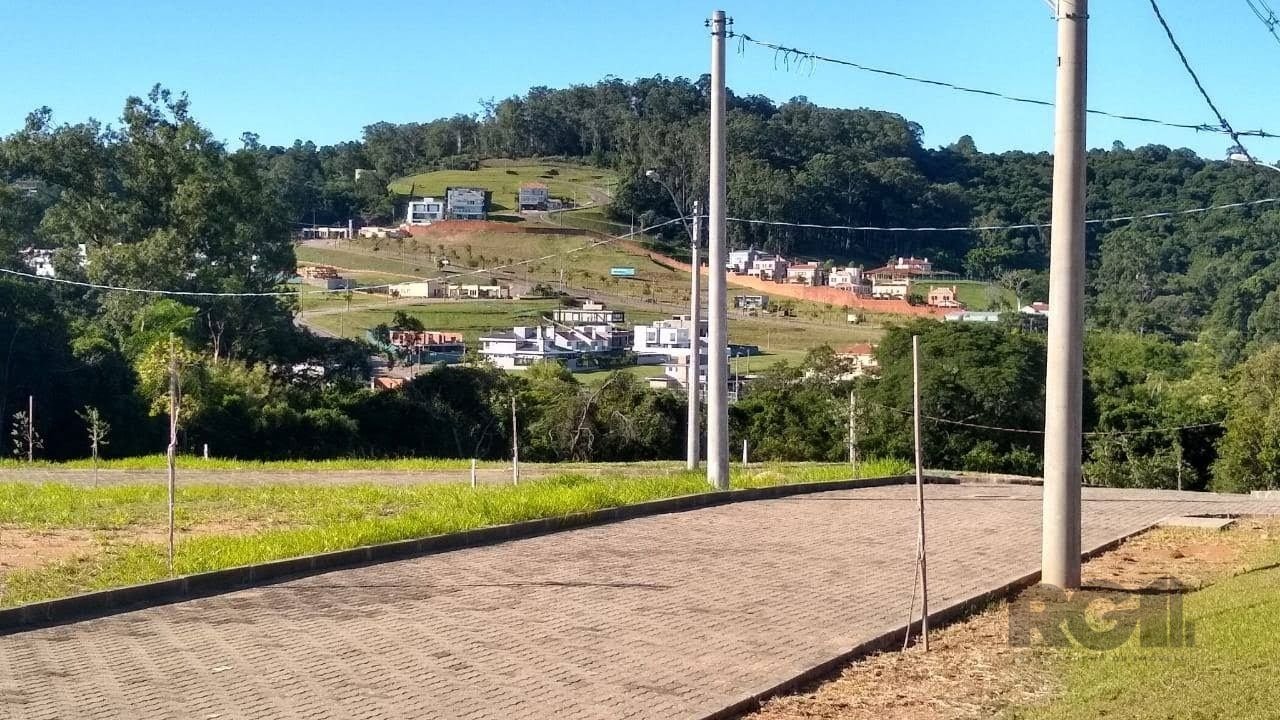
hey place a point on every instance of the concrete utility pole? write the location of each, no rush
(171, 454)
(693, 451)
(1060, 550)
(717, 309)
(853, 433)
(515, 444)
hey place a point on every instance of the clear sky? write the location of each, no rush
(323, 69)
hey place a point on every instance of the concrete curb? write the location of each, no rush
(163, 592)
(892, 640)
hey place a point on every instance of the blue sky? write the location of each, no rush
(323, 69)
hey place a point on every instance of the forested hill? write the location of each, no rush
(798, 162)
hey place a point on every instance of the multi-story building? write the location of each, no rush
(768, 267)
(465, 203)
(425, 211)
(810, 273)
(532, 196)
(740, 261)
(525, 346)
(846, 278)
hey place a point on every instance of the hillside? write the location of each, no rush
(588, 185)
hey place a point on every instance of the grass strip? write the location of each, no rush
(304, 520)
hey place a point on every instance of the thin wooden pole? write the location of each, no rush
(515, 444)
(920, 548)
(31, 428)
(853, 434)
(473, 472)
(173, 440)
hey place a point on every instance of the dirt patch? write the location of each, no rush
(972, 671)
(21, 548)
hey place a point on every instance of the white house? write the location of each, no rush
(740, 261)
(667, 342)
(467, 203)
(525, 346)
(417, 289)
(768, 267)
(40, 260)
(810, 273)
(424, 211)
(887, 287)
(846, 278)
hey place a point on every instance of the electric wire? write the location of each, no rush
(795, 57)
(1222, 120)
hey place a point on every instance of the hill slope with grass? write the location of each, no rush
(503, 178)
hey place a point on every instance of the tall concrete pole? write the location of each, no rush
(717, 305)
(693, 451)
(1060, 550)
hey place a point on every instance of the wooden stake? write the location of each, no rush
(515, 444)
(920, 548)
(172, 454)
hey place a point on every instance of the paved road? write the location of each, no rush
(673, 616)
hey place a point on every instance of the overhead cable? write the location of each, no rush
(1222, 120)
(790, 56)
(1019, 226)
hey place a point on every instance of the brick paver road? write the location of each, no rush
(672, 616)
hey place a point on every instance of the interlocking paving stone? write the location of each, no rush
(670, 616)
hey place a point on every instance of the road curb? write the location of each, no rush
(164, 592)
(892, 640)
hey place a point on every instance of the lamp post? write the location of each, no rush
(693, 376)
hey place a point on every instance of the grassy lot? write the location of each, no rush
(975, 295)
(226, 526)
(472, 318)
(587, 183)
(1227, 673)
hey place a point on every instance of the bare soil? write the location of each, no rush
(972, 671)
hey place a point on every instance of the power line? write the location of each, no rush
(287, 293)
(1266, 15)
(791, 56)
(1020, 226)
(1226, 126)
(1024, 431)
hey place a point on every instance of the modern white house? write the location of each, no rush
(466, 203)
(667, 343)
(529, 345)
(416, 289)
(425, 211)
(768, 267)
(740, 261)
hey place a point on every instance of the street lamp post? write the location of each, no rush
(693, 376)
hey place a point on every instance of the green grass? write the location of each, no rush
(589, 184)
(472, 318)
(195, 462)
(1229, 672)
(309, 519)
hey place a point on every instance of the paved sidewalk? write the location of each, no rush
(672, 616)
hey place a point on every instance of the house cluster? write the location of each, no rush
(893, 281)
(585, 336)
(40, 260)
(458, 203)
(427, 346)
